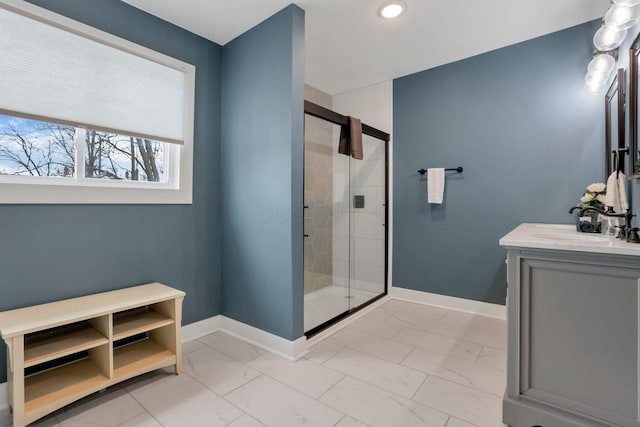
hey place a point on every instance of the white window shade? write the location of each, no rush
(51, 73)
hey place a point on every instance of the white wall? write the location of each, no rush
(371, 104)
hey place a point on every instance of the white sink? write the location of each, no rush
(571, 237)
(565, 237)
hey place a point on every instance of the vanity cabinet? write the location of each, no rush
(572, 357)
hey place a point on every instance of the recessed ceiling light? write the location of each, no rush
(392, 9)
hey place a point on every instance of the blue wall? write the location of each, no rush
(530, 139)
(51, 252)
(262, 160)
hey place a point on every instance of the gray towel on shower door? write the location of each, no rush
(351, 139)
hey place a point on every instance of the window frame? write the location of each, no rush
(81, 190)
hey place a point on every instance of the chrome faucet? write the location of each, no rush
(626, 229)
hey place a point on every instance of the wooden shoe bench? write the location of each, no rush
(60, 352)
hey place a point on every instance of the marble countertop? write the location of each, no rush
(563, 237)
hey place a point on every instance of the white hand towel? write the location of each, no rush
(435, 185)
(622, 191)
(616, 196)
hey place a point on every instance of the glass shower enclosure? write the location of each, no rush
(345, 217)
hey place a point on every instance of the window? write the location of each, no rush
(35, 148)
(108, 122)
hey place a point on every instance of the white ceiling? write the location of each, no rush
(348, 46)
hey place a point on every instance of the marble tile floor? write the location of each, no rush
(402, 364)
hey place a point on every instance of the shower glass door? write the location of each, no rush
(326, 224)
(344, 224)
(367, 219)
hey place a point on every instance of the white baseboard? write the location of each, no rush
(201, 328)
(454, 303)
(291, 350)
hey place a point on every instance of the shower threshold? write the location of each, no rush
(329, 303)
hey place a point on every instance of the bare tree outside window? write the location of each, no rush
(36, 148)
(121, 157)
(32, 147)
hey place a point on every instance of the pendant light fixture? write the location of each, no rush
(626, 2)
(622, 15)
(609, 37)
(599, 71)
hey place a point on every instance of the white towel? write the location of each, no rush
(617, 193)
(435, 185)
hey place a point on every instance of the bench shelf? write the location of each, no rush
(137, 321)
(59, 345)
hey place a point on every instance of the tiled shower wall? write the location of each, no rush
(318, 196)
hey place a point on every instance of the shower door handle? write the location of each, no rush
(306, 207)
